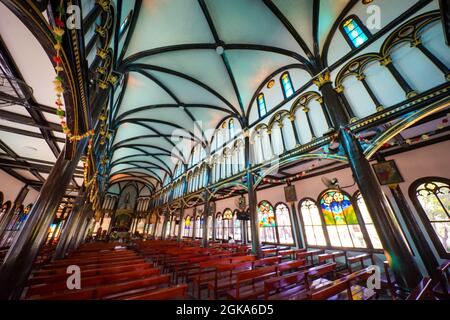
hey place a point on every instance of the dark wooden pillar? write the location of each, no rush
(72, 240)
(80, 236)
(19, 261)
(396, 250)
(252, 203)
(298, 239)
(424, 249)
(180, 229)
(61, 247)
(206, 214)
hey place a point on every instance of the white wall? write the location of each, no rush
(11, 187)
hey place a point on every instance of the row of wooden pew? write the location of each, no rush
(107, 271)
(166, 269)
(283, 273)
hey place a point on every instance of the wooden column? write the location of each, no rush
(298, 239)
(19, 261)
(424, 249)
(396, 250)
(180, 229)
(206, 214)
(61, 247)
(252, 203)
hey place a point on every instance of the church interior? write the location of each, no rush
(224, 150)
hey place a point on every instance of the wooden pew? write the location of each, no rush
(309, 256)
(87, 282)
(441, 290)
(110, 291)
(224, 277)
(283, 287)
(178, 292)
(346, 288)
(250, 284)
(89, 273)
(423, 291)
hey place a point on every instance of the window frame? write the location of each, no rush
(278, 225)
(365, 236)
(277, 238)
(423, 215)
(283, 87)
(259, 105)
(325, 233)
(361, 218)
(361, 25)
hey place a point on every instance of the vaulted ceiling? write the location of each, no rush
(190, 64)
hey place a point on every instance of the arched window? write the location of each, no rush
(219, 227)
(286, 84)
(237, 227)
(312, 223)
(198, 228)
(267, 223)
(187, 226)
(231, 128)
(354, 31)
(227, 224)
(262, 108)
(284, 224)
(373, 235)
(431, 197)
(341, 221)
(210, 227)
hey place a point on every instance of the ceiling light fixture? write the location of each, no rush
(220, 50)
(29, 148)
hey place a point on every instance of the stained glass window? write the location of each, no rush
(284, 224)
(434, 198)
(231, 128)
(354, 33)
(312, 223)
(187, 226)
(373, 235)
(286, 84)
(262, 108)
(341, 221)
(267, 223)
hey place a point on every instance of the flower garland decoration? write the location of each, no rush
(58, 33)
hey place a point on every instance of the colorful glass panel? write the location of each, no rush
(354, 32)
(286, 83)
(262, 108)
(266, 215)
(337, 209)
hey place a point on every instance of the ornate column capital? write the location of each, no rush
(322, 79)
